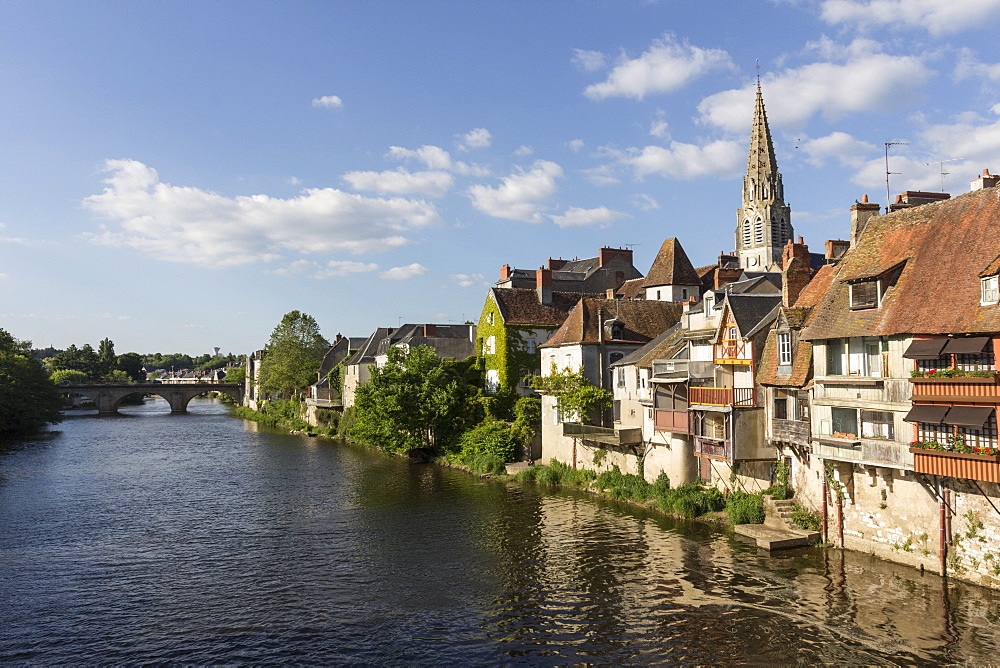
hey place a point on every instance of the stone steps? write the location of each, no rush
(777, 532)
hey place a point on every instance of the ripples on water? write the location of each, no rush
(203, 539)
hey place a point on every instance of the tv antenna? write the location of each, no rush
(887, 172)
(943, 173)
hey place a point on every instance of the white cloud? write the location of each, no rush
(969, 66)
(469, 280)
(328, 102)
(666, 66)
(335, 268)
(659, 128)
(577, 217)
(575, 145)
(838, 145)
(294, 180)
(478, 138)
(589, 61)
(602, 175)
(402, 182)
(520, 195)
(685, 161)
(194, 226)
(862, 80)
(4, 276)
(404, 273)
(644, 202)
(524, 150)
(436, 158)
(938, 17)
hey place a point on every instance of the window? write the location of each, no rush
(780, 405)
(987, 436)
(784, 348)
(864, 295)
(489, 318)
(927, 431)
(490, 348)
(974, 361)
(845, 422)
(530, 346)
(877, 424)
(991, 290)
(620, 376)
(835, 357)
(492, 381)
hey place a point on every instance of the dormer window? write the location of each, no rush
(864, 295)
(990, 290)
(784, 348)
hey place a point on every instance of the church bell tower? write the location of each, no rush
(764, 223)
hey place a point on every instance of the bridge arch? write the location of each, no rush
(108, 396)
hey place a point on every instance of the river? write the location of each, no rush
(201, 538)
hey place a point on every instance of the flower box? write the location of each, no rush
(974, 380)
(965, 465)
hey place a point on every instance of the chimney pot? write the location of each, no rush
(864, 199)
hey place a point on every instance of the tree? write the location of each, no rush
(417, 401)
(176, 362)
(28, 399)
(573, 392)
(236, 374)
(294, 355)
(131, 363)
(71, 375)
(80, 359)
(106, 358)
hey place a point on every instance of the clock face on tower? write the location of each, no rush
(752, 261)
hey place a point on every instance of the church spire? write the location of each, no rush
(764, 223)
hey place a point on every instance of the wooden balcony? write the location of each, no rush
(957, 464)
(741, 397)
(666, 419)
(967, 390)
(796, 432)
(733, 351)
(714, 448)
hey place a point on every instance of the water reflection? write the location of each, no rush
(204, 539)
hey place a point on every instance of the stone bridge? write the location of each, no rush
(107, 396)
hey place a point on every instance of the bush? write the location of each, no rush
(690, 500)
(744, 508)
(490, 437)
(806, 519)
(481, 462)
(557, 473)
(779, 492)
(71, 375)
(623, 486)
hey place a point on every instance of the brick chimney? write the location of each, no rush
(337, 340)
(835, 249)
(557, 264)
(430, 331)
(796, 271)
(987, 180)
(605, 255)
(861, 212)
(505, 272)
(543, 285)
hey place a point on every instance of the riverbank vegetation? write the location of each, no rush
(29, 400)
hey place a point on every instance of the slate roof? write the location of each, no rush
(520, 306)
(750, 311)
(945, 246)
(671, 267)
(643, 321)
(367, 350)
(665, 345)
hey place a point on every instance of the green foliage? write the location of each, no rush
(490, 437)
(483, 462)
(778, 492)
(71, 375)
(557, 473)
(29, 400)
(527, 421)
(346, 422)
(623, 486)
(176, 362)
(285, 413)
(336, 376)
(806, 519)
(417, 401)
(690, 500)
(78, 359)
(106, 357)
(745, 508)
(573, 392)
(131, 364)
(235, 374)
(294, 355)
(116, 376)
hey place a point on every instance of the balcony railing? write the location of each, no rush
(889, 454)
(983, 390)
(957, 464)
(605, 435)
(743, 397)
(713, 447)
(667, 419)
(791, 431)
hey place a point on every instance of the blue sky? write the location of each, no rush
(178, 175)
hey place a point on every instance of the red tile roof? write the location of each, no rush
(643, 320)
(945, 247)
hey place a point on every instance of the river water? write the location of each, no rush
(200, 538)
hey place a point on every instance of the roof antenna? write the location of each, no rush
(943, 173)
(887, 172)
